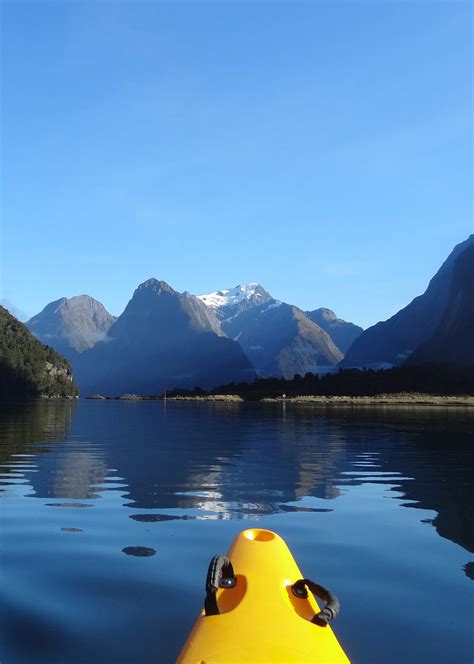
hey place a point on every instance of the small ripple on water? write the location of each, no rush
(69, 505)
(152, 518)
(199, 494)
(18, 464)
(371, 473)
(14, 480)
(294, 508)
(139, 551)
(72, 530)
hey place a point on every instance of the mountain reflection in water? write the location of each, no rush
(157, 477)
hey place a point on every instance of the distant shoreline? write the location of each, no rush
(400, 399)
(138, 397)
(405, 399)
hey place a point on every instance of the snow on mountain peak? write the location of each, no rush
(234, 296)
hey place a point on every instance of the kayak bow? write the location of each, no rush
(258, 609)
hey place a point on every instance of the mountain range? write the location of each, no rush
(165, 338)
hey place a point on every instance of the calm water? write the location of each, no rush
(110, 512)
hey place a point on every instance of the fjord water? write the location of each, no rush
(110, 512)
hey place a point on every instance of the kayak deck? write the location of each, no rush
(261, 619)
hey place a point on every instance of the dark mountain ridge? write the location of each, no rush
(453, 339)
(394, 340)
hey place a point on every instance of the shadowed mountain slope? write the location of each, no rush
(453, 339)
(341, 332)
(393, 341)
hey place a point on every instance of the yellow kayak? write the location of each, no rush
(258, 609)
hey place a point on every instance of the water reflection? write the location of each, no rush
(109, 506)
(24, 425)
(238, 462)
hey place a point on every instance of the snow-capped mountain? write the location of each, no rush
(232, 301)
(280, 340)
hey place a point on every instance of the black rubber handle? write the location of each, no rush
(219, 575)
(332, 605)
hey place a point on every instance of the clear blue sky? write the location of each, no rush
(320, 148)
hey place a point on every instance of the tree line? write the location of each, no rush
(439, 379)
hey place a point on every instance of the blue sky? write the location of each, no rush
(323, 149)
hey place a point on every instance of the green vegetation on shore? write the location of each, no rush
(427, 379)
(395, 400)
(403, 399)
(226, 398)
(28, 368)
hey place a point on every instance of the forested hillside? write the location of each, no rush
(28, 368)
